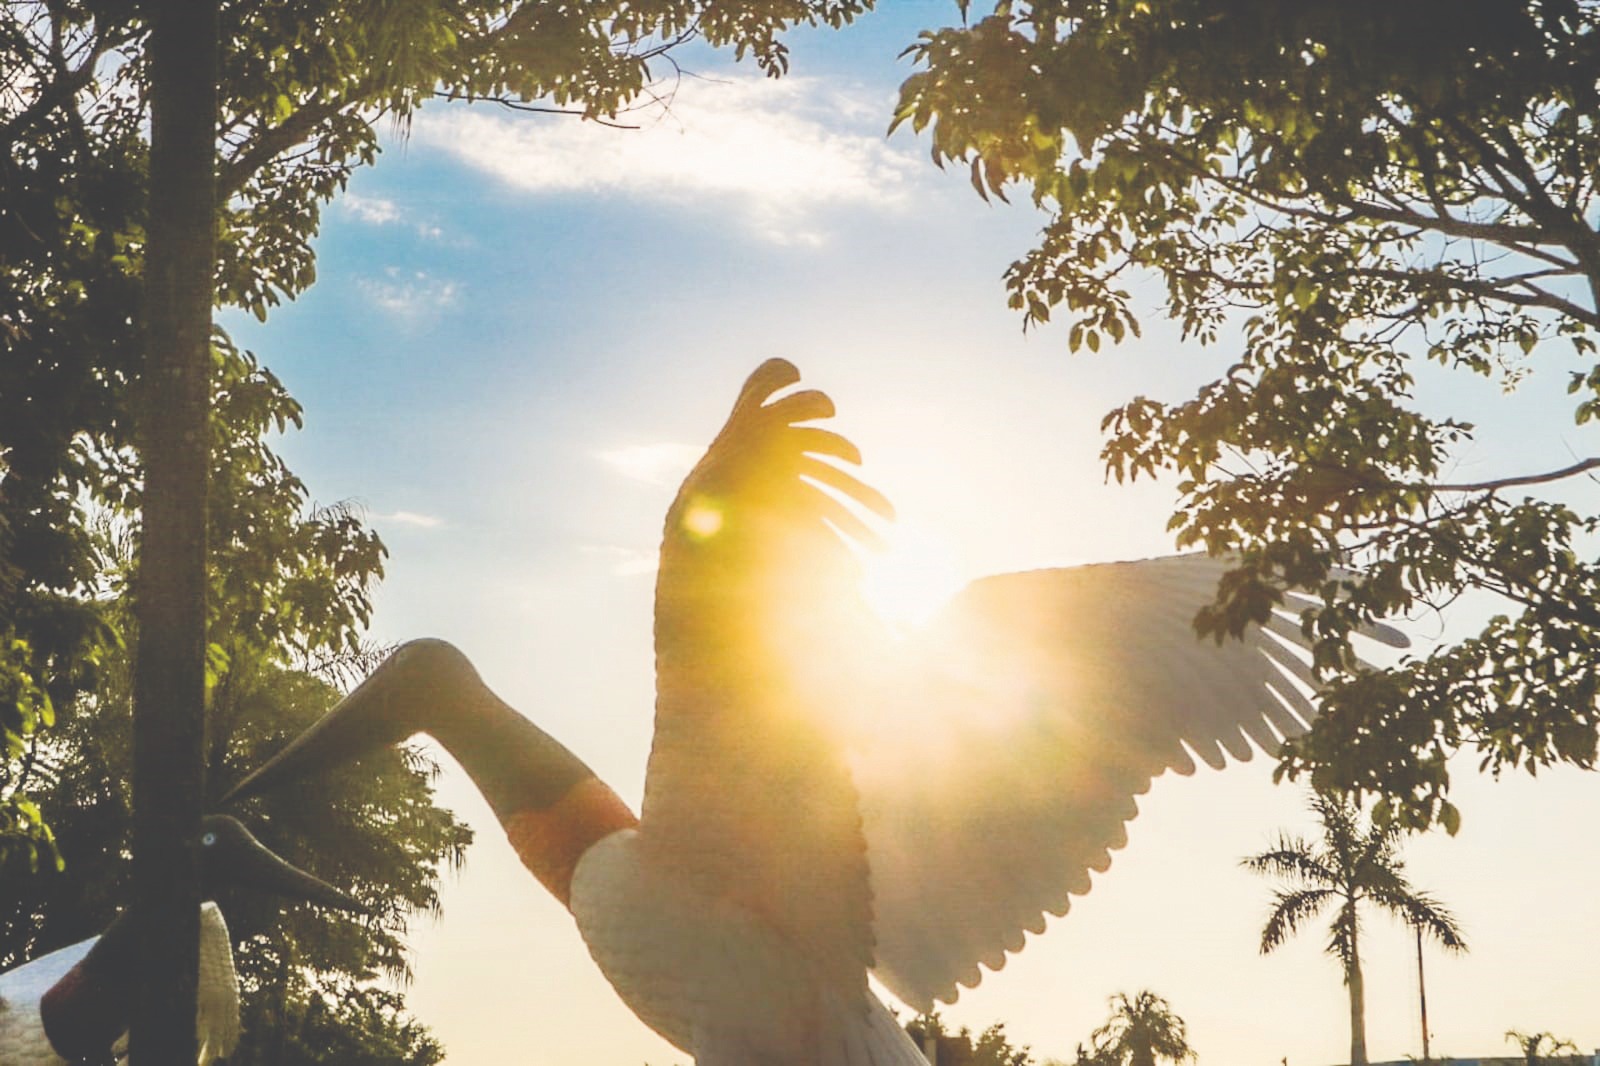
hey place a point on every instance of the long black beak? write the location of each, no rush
(230, 853)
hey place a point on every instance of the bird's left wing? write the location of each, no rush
(747, 792)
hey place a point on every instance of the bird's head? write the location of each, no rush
(230, 855)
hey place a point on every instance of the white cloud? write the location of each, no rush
(379, 211)
(625, 562)
(410, 294)
(776, 152)
(411, 518)
(664, 463)
(374, 210)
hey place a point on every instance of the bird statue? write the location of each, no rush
(71, 1007)
(825, 798)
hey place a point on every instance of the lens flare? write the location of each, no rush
(702, 519)
(907, 583)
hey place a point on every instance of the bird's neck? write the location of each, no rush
(551, 805)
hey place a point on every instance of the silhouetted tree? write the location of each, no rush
(1532, 1046)
(1141, 1031)
(988, 1048)
(1352, 864)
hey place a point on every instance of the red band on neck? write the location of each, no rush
(550, 841)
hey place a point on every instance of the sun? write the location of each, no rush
(907, 582)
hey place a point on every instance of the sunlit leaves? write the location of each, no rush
(1335, 206)
(25, 708)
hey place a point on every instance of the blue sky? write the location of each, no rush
(524, 330)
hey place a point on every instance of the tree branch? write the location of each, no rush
(233, 174)
(58, 92)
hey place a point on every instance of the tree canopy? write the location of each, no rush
(1336, 208)
(1141, 1030)
(989, 1048)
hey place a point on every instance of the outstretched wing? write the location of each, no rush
(1049, 701)
(747, 792)
(985, 768)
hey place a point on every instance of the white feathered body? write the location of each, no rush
(22, 1036)
(22, 1039)
(716, 980)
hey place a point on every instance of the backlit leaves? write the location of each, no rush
(1335, 207)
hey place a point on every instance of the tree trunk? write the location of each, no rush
(1358, 1002)
(169, 670)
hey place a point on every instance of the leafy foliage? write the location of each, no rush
(25, 708)
(1338, 208)
(291, 589)
(988, 1048)
(303, 88)
(353, 1025)
(1351, 865)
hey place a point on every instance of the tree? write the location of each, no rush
(290, 593)
(304, 972)
(988, 1048)
(256, 115)
(1351, 865)
(1140, 1031)
(1532, 1046)
(169, 674)
(1337, 208)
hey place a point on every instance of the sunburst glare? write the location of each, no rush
(911, 579)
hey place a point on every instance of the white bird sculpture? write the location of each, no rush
(70, 1007)
(785, 850)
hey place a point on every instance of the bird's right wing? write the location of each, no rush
(1035, 710)
(216, 1018)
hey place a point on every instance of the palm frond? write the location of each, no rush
(1343, 936)
(1421, 911)
(1295, 859)
(1290, 910)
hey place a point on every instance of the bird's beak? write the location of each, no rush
(384, 709)
(234, 855)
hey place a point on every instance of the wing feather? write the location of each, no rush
(1051, 700)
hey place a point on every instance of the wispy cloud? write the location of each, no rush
(379, 211)
(625, 562)
(664, 463)
(410, 294)
(778, 153)
(373, 210)
(411, 518)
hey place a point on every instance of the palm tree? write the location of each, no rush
(1531, 1045)
(1352, 864)
(1139, 1031)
